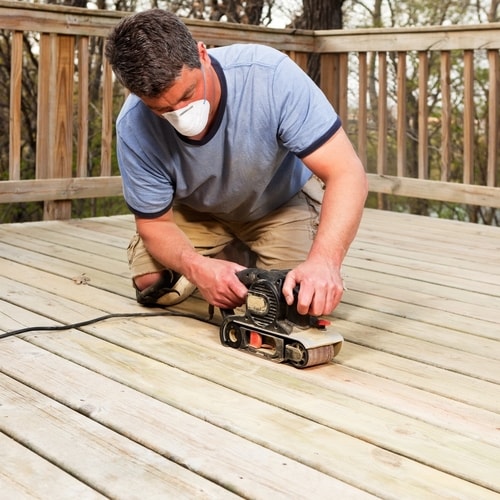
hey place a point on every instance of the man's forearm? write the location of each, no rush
(168, 245)
(340, 217)
(215, 279)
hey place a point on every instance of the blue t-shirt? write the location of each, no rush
(270, 115)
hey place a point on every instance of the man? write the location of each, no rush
(232, 143)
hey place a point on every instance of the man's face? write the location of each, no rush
(186, 89)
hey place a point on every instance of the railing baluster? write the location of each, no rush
(423, 116)
(16, 68)
(389, 156)
(342, 108)
(382, 114)
(446, 115)
(107, 125)
(362, 108)
(83, 107)
(401, 97)
(468, 175)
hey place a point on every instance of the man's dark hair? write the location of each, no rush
(148, 50)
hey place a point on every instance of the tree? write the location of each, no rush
(387, 13)
(315, 14)
(318, 14)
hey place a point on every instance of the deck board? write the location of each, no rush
(145, 406)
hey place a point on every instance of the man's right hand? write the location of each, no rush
(217, 281)
(215, 278)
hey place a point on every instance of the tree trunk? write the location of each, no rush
(319, 15)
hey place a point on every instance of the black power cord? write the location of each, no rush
(103, 318)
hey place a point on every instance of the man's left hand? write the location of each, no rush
(320, 288)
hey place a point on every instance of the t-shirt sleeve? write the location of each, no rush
(306, 117)
(147, 189)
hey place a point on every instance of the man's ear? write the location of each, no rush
(202, 50)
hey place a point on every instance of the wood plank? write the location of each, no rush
(58, 161)
(451, 227)
(457, 250)
(435, 190)
(54, 19)
(471, 391)
(60, 189)
(69, 234)
(408, 409)
(108, 462)
(382, 117)
(15, 117)
(446, 256)
(46, 108)
(109, 281)
(423, 115)
(124, 229)
(417, 375)
(397, 313)
(445, 236)
(443, 233)
(299, 58)
(443, 412)
(342, 83)
(74, 239)
(24, 474)
(430, 353)
(225, 371)
(51, 18)
(427, 296)
(114, 258)
(107, 119)
(212, 452)
(328, 78)
(445, 81)
(401, 120)
(399, 262)
(265, 419)
(493, 116)
(82, 148)
(266, 424)
(468, 118)
(362, 107)
(409, 38)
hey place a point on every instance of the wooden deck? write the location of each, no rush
(156, 408)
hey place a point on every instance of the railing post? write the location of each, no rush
(329, 78)
(55, 116)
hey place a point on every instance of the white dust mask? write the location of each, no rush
(193, 118)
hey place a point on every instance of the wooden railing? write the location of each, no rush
(412, 140)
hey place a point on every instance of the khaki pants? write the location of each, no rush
(281, 240)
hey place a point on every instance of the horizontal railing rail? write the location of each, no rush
(421, 105)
